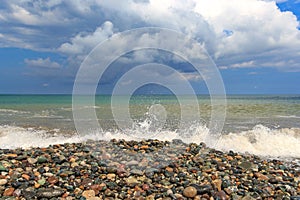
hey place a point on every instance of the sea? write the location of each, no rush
(264, 125)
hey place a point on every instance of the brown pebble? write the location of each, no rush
(65, 195)
(88, 193)
(218, 184)
(146, 187)
(3, 181)
(25, 176)
(111, 176)
(220, 195)
(36, 185)
(52, 180)
(11, 155)
(260, 176)
(190, 192)
(169, 169)
(9, 192)
(144, 147)
(96, 188)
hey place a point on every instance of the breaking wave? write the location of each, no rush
(260, 140)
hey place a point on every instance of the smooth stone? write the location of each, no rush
(136, 172)
(42, 159)
(202, 189)
(32, 160)
(273, 180)
(218, 184)
(41, 181)
(246, 165)
(29, 193)
(261, 176)
(3, 181)
(48, 174)
(111, 169)
(17, 193)
(221, 195)
(52, 180)
(2, 168)
(49, 193)
(132, 162)
(74, 164)
(87, 182)
(111, 176)
(9, 192)
(131, 181)
(88, 193)
(190, 192)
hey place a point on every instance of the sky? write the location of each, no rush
(254, 44)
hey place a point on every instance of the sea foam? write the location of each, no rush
(260, 140)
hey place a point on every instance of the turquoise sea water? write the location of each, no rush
(242, 112)
(254, 123)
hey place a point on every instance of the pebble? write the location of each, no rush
(136, 172)
(42, 159)
(9, 192)
(132, 162)
(221, 195)
(245, 165)
(32, 161)
(131, 181)
(260, 176)
(52, 180)
(26, 177)
(3, 181)
(190, 192)
(49, 193)
(2, 168)
(111, 176)
(190, 171)
(88, 194)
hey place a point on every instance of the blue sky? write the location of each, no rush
(254, 43)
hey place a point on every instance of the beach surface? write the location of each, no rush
(149, 169)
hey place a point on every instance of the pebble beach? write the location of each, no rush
(150, 169)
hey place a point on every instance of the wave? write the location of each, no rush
(13, 111)
(288, 116)
(260, 140)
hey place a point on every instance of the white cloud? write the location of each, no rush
(83, 43)
(234, 32)
(42, 63)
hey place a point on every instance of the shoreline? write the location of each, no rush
(150, 169)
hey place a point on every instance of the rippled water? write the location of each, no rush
(264, 125)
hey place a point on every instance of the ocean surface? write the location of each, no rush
(258, 124)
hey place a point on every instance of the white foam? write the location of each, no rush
(12, 137)
(260, 140)
(13, 111)
(288, 116)
(264, 141)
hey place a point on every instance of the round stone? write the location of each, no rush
(88, 193)
(190, 192)
(111, 176)
(3, 181)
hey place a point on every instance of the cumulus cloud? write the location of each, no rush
(237, 33)
(83, 43)
(42, 63)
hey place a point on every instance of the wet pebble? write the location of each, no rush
(150, 169)
(190, 192)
